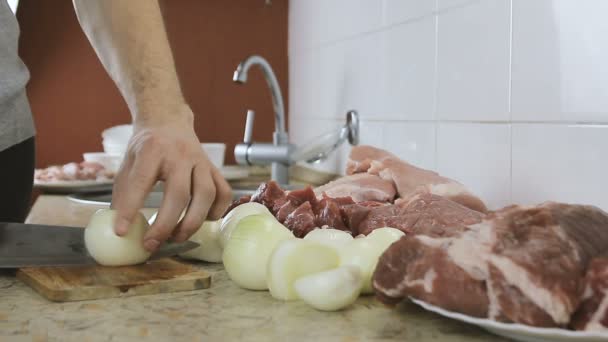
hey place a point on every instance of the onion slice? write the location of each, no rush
(365, 252)
(293, 259)
(330, 237)
(209, 248)
(246, 253)
(232, 219)
(330, 290)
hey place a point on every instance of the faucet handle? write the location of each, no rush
(248, 138)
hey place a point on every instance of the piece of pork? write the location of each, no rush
(409, 179)
(424, 213)
(592, 314)
(531, 262)
(360, 187)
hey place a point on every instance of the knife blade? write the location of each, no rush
(31, 245)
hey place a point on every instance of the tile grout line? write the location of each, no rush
(436, 89)
(383, 27)
(510, 100)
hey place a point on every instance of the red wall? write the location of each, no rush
(73, 99)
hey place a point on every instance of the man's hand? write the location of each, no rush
(130, 40)
(171, 153)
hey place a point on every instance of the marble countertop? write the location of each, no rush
(223, 312)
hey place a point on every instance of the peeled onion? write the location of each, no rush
(387, 235)
(365, 252)
(293, 259)
(330, 290)
(231, 220)
(109, 249)
(329, 236)
(251, 243)
(209, 248)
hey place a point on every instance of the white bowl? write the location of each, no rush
(114, 148)
(118, 134)
(110, 161)
(215, 152)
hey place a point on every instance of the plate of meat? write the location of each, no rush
(74, 178)
(519, 332)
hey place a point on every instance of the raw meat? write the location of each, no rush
(519, 264)
(409, 179)
(73, 172)
(592, 315)
(422, 214)
(360, 187)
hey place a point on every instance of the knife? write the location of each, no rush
(30, 245)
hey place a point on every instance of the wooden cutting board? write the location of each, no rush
(66, 284)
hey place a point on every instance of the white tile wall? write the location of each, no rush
(560, 49)
(564, 163)
(509, 97)
(474, 154)
(473, 62)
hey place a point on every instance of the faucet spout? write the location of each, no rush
(240, 76)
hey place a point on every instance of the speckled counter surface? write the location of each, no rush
(222, 313)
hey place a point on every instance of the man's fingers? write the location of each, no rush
(175, 199)
(203, 191)
(223, 196)
(133, 183)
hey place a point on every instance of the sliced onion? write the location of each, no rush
(365, 252)
(109, 249)
(293, 259)
(387, 235)
(231, 220)
(208, 238)
(246, 253)
(330, 237)
(330, 290)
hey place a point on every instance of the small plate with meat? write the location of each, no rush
(519, 332)
(74, 178)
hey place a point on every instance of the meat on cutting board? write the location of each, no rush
(520, 264)
(409, 179)
(360, 187)
(592, 315)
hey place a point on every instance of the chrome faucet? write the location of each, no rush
(281, 154)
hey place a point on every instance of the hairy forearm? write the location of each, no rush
(130, 39)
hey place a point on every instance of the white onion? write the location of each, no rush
(251, 243)
(330, 290)
(387, 235)
(295, 258)
(209, 248)
(365, 252)
(109, 249)
(330, 237)
(231, 220)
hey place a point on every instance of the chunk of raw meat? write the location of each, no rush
(423, 214)
(409, 179)
(328, 213)
(418, 267)
(592, 314)
(295, 199)
(271, 195)
(360, 187)
(301, 221)
(531, 262)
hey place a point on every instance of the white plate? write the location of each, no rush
(519, 332)
(75, 186)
